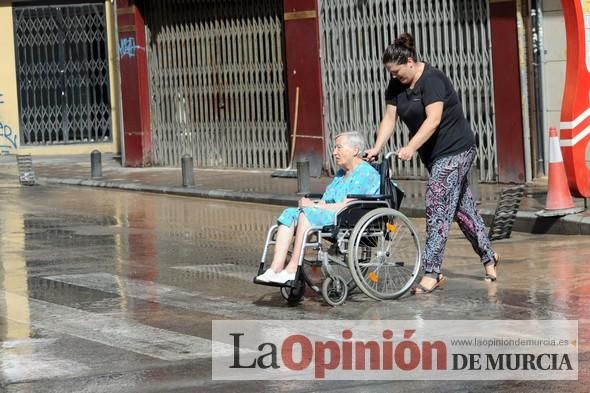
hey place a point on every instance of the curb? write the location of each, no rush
(238, 196)
(526, 221)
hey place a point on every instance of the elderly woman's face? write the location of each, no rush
(343, 152)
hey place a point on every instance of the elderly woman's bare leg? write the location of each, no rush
(288, 274)
(284, 237)
(302, 226)
(283, 241)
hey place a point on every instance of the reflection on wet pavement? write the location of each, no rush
(116, 291)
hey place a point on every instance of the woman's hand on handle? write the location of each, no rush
(371, 154)
(406, 153)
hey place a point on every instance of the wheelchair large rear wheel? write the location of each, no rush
(384, 254)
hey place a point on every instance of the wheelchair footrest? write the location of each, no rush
(288, 284)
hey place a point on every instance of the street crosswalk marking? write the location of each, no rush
(219, 271)
(124, 334)
(176, 297)
(26, 360)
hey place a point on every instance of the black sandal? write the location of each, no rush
(490, 277)
(421, 289)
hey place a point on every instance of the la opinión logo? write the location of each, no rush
(394, 350)
(298, 352)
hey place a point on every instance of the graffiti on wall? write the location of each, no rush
(128, 47)
(7, 137)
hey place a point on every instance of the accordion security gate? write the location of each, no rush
(217, 82)
(63, 74)
(453, 35)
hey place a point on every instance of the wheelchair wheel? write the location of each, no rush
(294, 295)
(384, 254)
(334, 290)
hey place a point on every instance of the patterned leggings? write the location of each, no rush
(449, 197)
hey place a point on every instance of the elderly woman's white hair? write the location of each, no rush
(355, 140)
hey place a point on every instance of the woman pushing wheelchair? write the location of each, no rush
(354, 177)
(425, 100)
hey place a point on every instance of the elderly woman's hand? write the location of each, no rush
(305, 202)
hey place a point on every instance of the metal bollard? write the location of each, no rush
(188, 179)
(303, 177)
(95, 164)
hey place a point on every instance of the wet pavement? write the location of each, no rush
(114, 291)
(259, 187)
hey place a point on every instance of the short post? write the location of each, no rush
(95, 164)
(188, 179)
(303, 177)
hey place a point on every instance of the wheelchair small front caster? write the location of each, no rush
(293, 295)
(334, 290)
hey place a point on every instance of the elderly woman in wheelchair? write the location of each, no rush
(355, 177)
(357, 209)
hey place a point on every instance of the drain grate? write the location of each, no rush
(25, 169)
(505, 213)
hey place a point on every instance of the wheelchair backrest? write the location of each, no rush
(388, 186)
(394, 195)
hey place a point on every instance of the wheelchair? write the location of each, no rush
(371, 247)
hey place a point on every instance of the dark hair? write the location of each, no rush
(403, 47)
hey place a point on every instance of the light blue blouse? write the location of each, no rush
(363, 180)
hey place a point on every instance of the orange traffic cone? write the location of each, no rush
(559, 200)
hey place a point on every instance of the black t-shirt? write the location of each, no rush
(453, 135)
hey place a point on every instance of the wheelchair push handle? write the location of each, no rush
(390, 154)
(386, 157)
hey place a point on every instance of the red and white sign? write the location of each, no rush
(575, 109)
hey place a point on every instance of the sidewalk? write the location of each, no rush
(259, 187)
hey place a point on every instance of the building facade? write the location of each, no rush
(262, 83)
(58, 78)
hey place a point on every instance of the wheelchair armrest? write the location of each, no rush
(352, 211)
(312, 195)
(367, 197)
(331, 229)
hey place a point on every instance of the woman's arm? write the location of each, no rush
(433, 116)
(385, 131)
